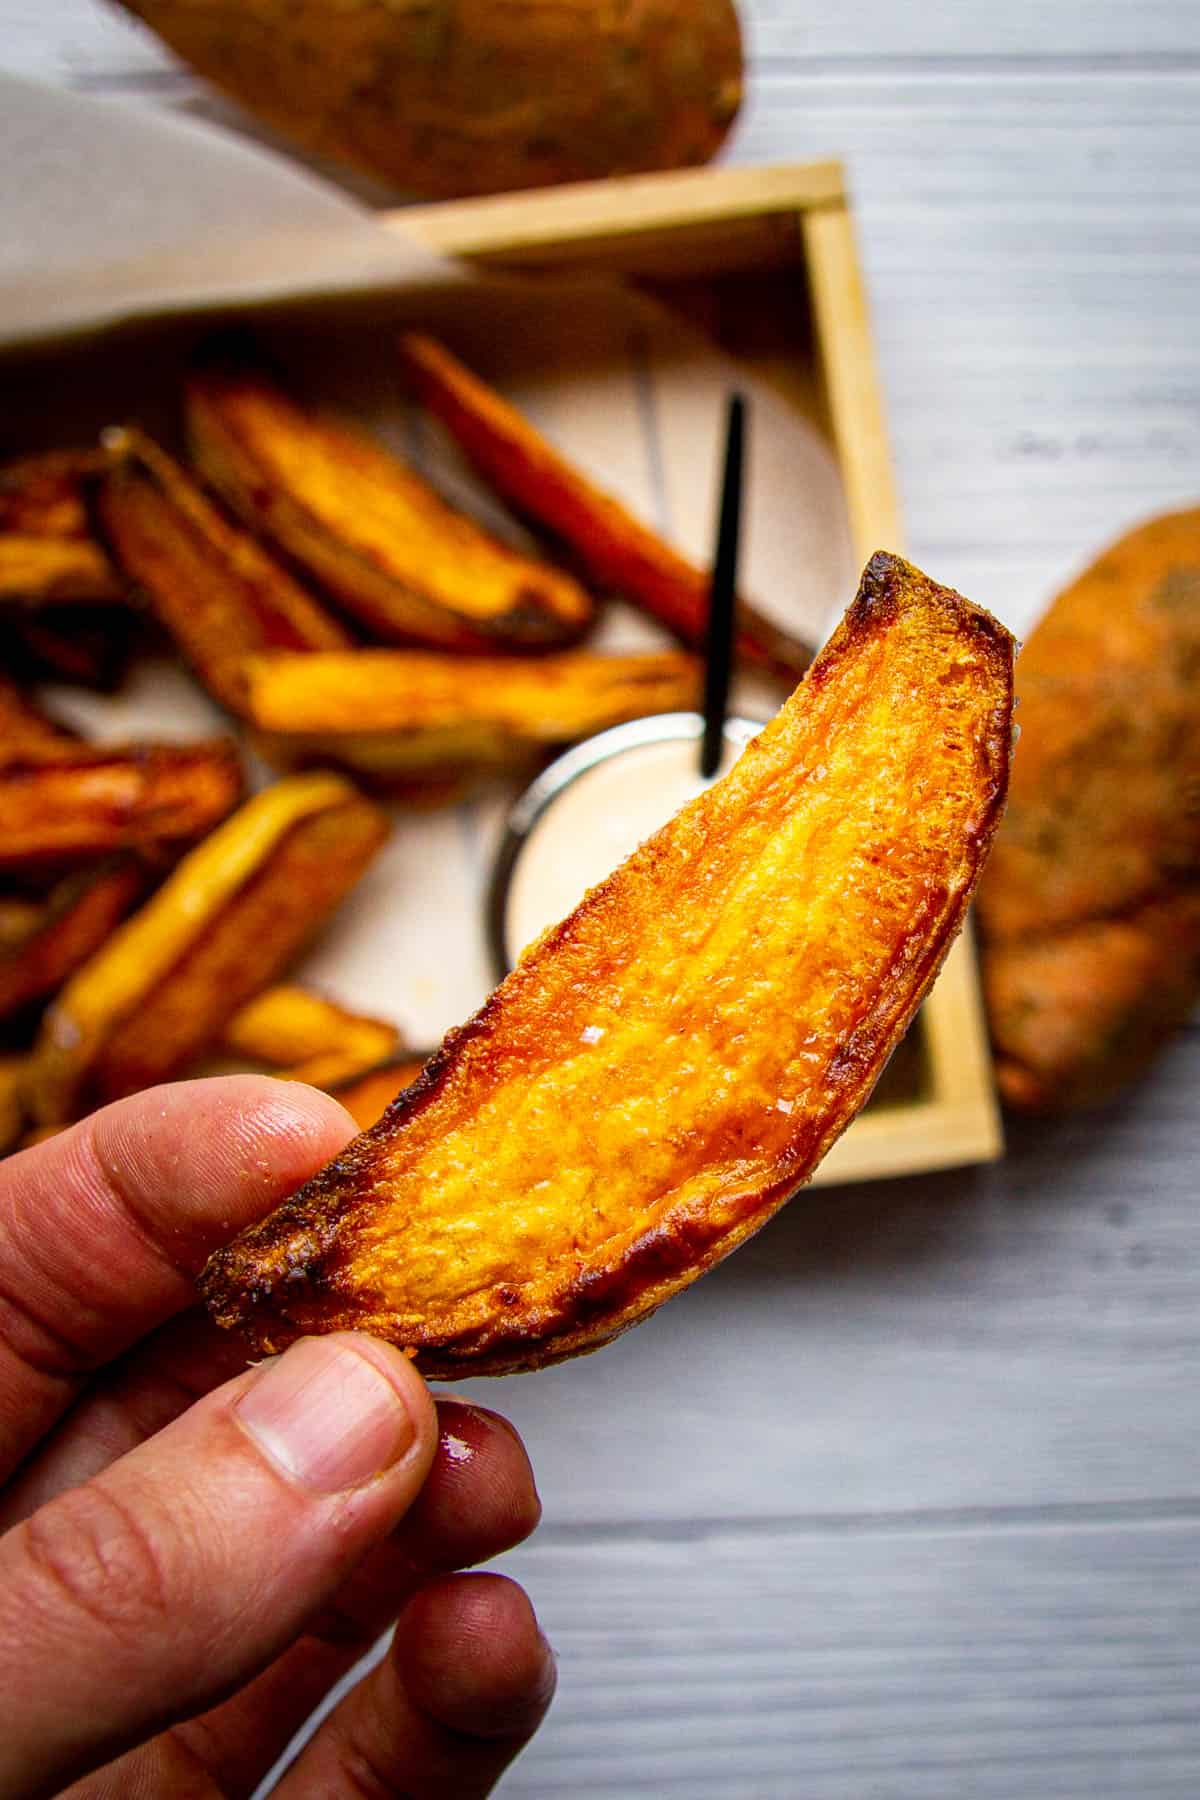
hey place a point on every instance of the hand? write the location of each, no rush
(194, 1550)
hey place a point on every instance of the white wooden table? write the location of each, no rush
(904, 1501)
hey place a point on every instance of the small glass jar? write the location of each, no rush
(587, 812)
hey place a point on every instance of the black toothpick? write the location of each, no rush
(723, 593)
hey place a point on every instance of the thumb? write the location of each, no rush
(184, 1568)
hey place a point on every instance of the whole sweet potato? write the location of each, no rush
(474, 96)
(1090, 906)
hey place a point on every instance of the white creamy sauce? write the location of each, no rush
(589, 829)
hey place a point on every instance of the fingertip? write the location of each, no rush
(214, 1155)
(472, 1655)
(480, 1497)
(288, 1113)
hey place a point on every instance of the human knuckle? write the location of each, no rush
(94, 1560)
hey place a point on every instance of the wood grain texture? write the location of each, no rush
(907, 1504)
(962, 1659)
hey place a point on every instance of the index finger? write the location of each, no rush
(103, 1228)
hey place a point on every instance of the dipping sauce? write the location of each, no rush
(590, 810)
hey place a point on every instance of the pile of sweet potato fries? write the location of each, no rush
(359, 631)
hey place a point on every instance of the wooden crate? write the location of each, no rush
(765, 261)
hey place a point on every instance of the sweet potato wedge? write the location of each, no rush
(213, 586)
(39, 951)
(44, 495)
(80, 806)
(662, 1070)
(413, 712)
(379, 538)
(48, 553)
(224, 924)
(12, 1102)
(27, 732)
(305, 1037)
(1089, 914)
(367, 1097)
(603, 538)
(45, 570)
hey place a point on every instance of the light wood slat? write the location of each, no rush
(1025, 33)
(1050, 1659)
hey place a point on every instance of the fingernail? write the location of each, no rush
(327, 1416)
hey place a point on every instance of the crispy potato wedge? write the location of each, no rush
(224, 924)
(12, 1102)
(367, 1097)
(664, 1068)
(381, 540)
(44, 495)
(604, 539)
(307, 1037)
(27, 732)
(213, 586)
(45, 570)
(92, 801)
(1078, 1014)
(1089, 917)
(413, 712)
(49, 555)
(40, 949)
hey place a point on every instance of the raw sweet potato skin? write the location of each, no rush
(85, 804)
(612, 547)
(664, 1068)
(217, 591)
(474, 98)
(46, 570)
(1090, 907)
(224, 925)
(377, 537)
(76, 919)
(414, 713)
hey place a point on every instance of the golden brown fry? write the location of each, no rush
(48, 555)
(664, 1068)
(1091, 927)
(368, 1096)
(306, 1037)
(609, 544)
(27, 732)
(217, 591)
(12, 1101)
(412, 712)
(378, 537)
(225, 923)
(43, 495)
(39, 951)
(146, 798)
(45, 570)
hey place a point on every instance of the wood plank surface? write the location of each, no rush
(903, 1501)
